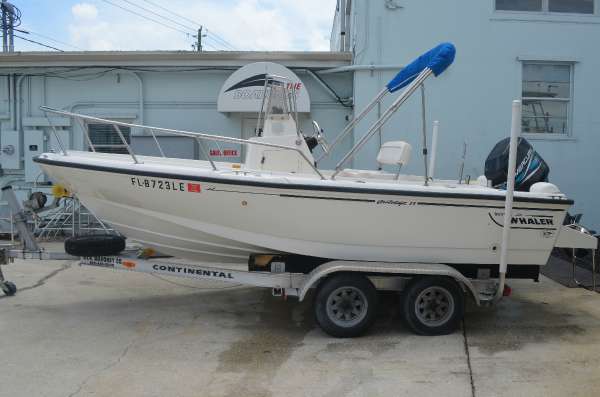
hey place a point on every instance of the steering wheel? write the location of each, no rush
(318, 133)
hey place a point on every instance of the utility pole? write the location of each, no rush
(4, 27)
(199, 43)
(8, 21)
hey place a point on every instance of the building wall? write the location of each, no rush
(472, 100)
(179, 98)
(184, 100)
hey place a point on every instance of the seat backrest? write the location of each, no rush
(394, 153)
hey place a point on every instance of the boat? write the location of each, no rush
(278, 202)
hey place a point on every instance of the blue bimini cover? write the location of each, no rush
(437, 59)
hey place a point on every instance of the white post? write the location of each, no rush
(434, 140)
(515, 132)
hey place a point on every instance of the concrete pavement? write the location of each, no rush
(74, 331)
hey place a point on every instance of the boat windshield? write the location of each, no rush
(279, 101)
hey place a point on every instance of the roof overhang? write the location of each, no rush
(174, 58)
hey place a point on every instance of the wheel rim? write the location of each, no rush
(347, 306)
(434, 306)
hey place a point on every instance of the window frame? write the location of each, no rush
(546, 10)
(568, 135)
(88, 138)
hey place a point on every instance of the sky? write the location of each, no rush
(101, 25)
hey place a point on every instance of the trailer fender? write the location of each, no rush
(422, 269)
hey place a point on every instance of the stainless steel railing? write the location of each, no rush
(417, 83)
(201, 137)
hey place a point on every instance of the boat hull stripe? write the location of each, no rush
(286, 186)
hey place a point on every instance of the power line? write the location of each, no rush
(215, 42)
(56, 41)
(49, 38)
(211, 46)
(218, 38)
(159, 15)
(37, 42)
(174, 21)
(146, 17)
(171, 12)
(224, 42)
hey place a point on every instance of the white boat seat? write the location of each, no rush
(394, 153)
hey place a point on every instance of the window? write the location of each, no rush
(546, 97)
(575, 6)
(519, 5)
(105, 138)
(564, 6)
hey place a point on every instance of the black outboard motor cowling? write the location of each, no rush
(531, 168)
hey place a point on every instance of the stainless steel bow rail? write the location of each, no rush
(200, 137)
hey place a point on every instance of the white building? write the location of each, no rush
(544, 51)
(166, 89)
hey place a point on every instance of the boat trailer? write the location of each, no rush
(343, 287)
(346, 291)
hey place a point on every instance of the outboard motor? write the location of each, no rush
(531, 168)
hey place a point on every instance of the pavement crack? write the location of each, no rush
(47, 277)
(42, 280)
(105, 368)
(468, 354)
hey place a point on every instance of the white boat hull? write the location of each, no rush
(210, 216)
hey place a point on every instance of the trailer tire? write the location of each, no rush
(95, 245)
(433, 305)
(346, 305)
(9, 288)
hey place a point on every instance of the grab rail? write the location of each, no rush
(197, 135)
(412, 76)
(413, 86)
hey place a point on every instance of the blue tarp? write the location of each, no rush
(437, 59)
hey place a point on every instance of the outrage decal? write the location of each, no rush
(525, 221)
(165, 184)
(396, 202)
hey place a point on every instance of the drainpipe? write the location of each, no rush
(343, 33)
(140, 96)
(8, 114)
(19, 85)
(327, 88)
(140, 93)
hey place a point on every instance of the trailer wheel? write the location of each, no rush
(346, 305)
(433, 305)
(9, 288)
